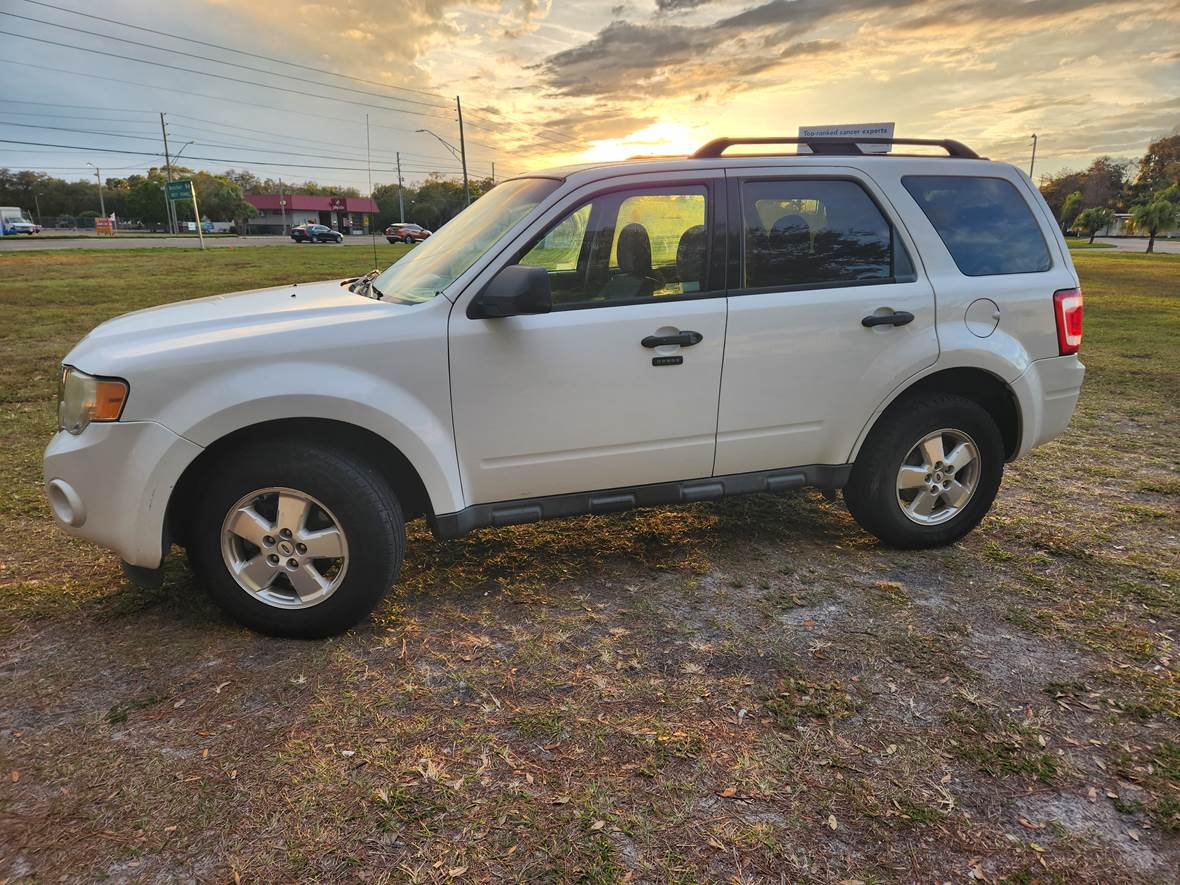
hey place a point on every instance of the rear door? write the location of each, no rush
(828, 312)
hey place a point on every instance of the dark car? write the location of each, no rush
(406, 233)
(315, 233)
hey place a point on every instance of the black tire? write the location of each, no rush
(364, 508)
(409, 241)
(872, 494)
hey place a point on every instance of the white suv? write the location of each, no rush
(585, 340)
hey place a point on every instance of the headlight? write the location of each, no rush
(83, 398)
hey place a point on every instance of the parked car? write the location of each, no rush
(315, 233)
(13, 221)
(898, 327)
(406, 233)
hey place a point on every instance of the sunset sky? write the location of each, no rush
(550, 82)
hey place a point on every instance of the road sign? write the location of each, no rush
(180, 190)
(104, 226)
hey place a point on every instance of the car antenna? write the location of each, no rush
(369, 163)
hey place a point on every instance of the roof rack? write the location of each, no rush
(839, 146)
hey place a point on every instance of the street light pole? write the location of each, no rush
(401, 197)
(1032, 162)
(459, 153)
(101, 203)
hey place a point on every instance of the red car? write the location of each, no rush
(406, 233)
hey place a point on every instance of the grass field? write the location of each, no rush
(745, 691)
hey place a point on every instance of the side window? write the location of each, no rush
(985, 223)
(815, 232)
(627, 246)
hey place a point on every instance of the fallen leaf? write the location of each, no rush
(220, 687)
(598, 825)
(1134, 834)
(456, 871)
(729, 791)
(1035, 847)
(561, 800)
(14, 776)
(832, 822)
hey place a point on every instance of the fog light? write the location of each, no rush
(66, 503)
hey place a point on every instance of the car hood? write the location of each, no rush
(299, 314)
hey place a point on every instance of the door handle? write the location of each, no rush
(686, 338)
(896, 318)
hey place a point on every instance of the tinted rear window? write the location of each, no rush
(985, 223)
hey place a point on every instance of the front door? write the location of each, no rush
(618, 386)
(827, 315)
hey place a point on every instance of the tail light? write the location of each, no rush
(1067, 307)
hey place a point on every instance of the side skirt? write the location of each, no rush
(477, 516)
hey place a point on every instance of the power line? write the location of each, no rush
(76, 147)
(160, 64)
(248, 148)
(236, 51)
(218, 61)
(564, 137)
(250, 104)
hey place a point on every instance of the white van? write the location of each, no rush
(585, 340)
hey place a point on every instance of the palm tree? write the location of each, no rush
(1093, 220)
(1153, 217)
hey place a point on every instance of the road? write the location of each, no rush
(25, 244)
(1134, 244)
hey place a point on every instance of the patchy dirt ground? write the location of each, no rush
(750, 691)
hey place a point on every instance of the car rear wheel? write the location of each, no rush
(928, 472)
(408, 240)
(297, 540)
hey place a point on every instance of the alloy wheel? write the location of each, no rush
(284, 548)
(938, 477)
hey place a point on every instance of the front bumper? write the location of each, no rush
(111, 483)
(1048, 393)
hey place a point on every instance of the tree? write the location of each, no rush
(1153, 217)
(1093, 220)
(1070, 209)
(1160, 166)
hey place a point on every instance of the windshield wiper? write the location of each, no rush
(364, 285)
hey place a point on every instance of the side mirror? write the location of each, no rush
(515, 290)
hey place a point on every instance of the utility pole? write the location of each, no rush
(101, 203)
(37, 203)
(168, 169)
(463, 152)
(493, 173)
(401, 197)
(1033, 161)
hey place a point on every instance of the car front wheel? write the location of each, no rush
(928, 472)
(297, 540)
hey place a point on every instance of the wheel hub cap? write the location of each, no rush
(284, 548)
(938, 477)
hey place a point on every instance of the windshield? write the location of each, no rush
(441, 259)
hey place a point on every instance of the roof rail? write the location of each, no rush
(843, 145)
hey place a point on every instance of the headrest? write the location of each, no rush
(634, 250)
(690, 255)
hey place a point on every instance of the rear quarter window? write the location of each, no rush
(985, 223)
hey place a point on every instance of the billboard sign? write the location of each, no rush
(845, 130)
(336, 204)
(104, 226)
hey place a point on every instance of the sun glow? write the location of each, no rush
(658, 139)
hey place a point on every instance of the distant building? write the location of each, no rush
(277, 214)
(1121, 226)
